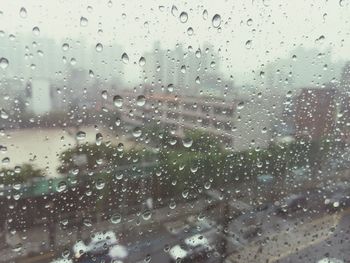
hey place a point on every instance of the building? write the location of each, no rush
(315, 113)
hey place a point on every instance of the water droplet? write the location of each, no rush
(118, 101)
(4, 63)
(120, 147)
(142, 61)
(198, 80)
(183, 17)
(207, 185)
(104, 94)
(205, 14)
(91, 73)
(36, 31)
(137, 132)
(99, 47)
(183, 69)
(198, 53)
(116, 218)
(141, 100)
(174, 10)
(61, 186)
(190, 31)
(100, 184)
(240, 105)
(249, 22)
(146, 215)
(343, 3)
(117, 122)
(17, 247)
(83, 21)
(99, 138)
(23, 12)
(248, 44)
(80, 135)
(216, 21)
(3, 114)
(65, 46)
(185, 193)
(172, 204)
(187, 142)
(87, 222)
(5, 160)
(170, 87)
(73, 61)
(125, 58)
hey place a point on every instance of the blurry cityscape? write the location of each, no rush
(185, 166)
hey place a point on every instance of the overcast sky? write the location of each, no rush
(275, 28)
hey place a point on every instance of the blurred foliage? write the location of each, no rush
(22, 174)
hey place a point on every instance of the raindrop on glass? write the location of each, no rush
(183, 17)
(216, 21)
(146, 215)
(118, 101)
(80, 135)
(174, 10)
(116, 218)
(4, 63)
(83, 21)
(142, 61)
(137, 132)
(99, 47)
(23, 12)
(104, 94)
(125, 58)
(141, 100)
(205, 14)
(36, 31)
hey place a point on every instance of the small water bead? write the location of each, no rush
(125, 58)
(142, 61)
(3, 114)
(174, 10)
(249, 22)
(100, 184)
(116, 218)
(65, 46)
(4, 63)
(61, 186)
(170, 87)
(183, 17)
(216, 21)
(190, 31)
(187, 142)
(146, 215)
(99, 138)
(137, 132)
(80, 135)
(83, 21)
(104, 94)
(118, 101)
(36, 31)
(205, 14)
(141, 100)
(23, 12)
(99, 47)
(248, 44)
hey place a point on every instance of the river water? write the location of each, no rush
(42, 147)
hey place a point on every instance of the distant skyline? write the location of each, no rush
(250, 33)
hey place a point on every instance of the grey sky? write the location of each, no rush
(276, 27)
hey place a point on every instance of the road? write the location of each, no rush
(335, 244)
